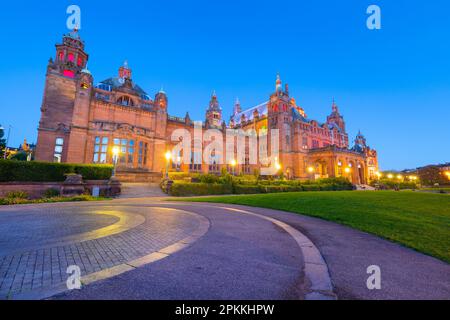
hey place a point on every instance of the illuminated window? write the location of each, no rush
(69, 73)
(126, 148)
(57, 155)
(80, 61)
(315, 144)
(70, 57)
(100, 149)
(142, 153)
(196, 160)
(61, 56)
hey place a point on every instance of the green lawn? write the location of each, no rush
(418, 220)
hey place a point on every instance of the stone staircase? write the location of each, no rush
(140, 190)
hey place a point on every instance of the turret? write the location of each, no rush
(336, 118)
(214, 112)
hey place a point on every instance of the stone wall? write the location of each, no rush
(37, 189)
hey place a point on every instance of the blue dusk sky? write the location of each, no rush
(393, 83)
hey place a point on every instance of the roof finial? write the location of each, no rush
(334, 106)
(278, 83)
(214, 94)
(125, 64)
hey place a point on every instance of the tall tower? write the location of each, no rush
(214, 112)
(279, 117)
(66, 99)
(336, 118)
(360, 142)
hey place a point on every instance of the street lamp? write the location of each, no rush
(390, 176)
(347, 170)
(233, 165)
(399, 177)
(115, 152)
(277, 166)
(168, 156)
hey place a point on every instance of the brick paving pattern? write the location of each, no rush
(23, 269)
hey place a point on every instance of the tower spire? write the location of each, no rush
(334, 107)
(278, 86)
(237, 107)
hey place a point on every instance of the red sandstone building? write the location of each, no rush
(81, 123)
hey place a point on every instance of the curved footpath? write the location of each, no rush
(151, 249)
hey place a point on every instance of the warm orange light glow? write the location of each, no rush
(347, 170)
(233, 162)
(310, 169)
(399, 176)
(390, 176)
(277, 166)
(168, 155)
(115, 151)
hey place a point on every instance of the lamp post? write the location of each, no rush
(115, 152)
(278, 168)
(178, 163)
(311, 172)
(168, 156)
(233, 165)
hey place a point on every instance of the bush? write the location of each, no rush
(180, 189)
(246, 189)
(11, 170)
(17, 195)
(50, 193)
(390, 184)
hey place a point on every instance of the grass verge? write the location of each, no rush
(418, 220)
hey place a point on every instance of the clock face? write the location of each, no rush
(121, 80)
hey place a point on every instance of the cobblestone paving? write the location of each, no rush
(43, 228)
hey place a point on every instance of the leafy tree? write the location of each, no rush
(21, 156)
(432, 174)
(2, 140)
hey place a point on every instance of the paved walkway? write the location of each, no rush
(140, 190)
(154, 250)
(38, 243)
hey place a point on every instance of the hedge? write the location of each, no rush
(33, 171)
(180, 189)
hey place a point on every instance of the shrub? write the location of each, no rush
(11, 170)
(209, 178)
(180, 189)
(246, 189)
(17, 195)
(311, 187)
(51, 193)
(391, 184)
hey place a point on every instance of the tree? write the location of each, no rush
(2, 141)
(431, 175)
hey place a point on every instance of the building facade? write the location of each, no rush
(81, 122)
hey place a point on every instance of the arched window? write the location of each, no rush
(70, 57)
(125, 101)
(80, 61)
(61, 56)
